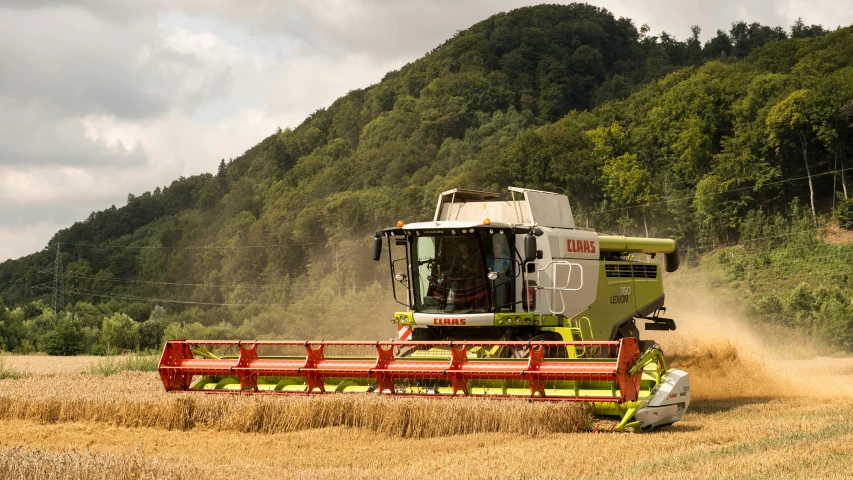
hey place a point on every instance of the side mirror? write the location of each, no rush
(529, 248)
(377, 248)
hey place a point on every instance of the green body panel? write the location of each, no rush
(569, 334)
(619, 244)
(619, 299)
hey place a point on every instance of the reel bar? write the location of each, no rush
(387, 365)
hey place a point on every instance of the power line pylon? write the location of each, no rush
(58, 281)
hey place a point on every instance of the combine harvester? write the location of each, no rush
(504, 299)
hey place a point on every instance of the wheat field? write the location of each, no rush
(756, 413)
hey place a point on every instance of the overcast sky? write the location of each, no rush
(117, 96)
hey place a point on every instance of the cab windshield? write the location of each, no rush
(450, 273)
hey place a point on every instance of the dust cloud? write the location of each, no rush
(728, 356)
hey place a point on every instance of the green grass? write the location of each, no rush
(9, 373)
(802, 286)
(130, 363)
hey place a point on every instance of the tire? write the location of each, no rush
(422, 335)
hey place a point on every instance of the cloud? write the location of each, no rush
(19, 241)
(378, 29)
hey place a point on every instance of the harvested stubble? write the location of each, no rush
(23, 462)
(133, 400)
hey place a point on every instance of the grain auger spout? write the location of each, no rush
(504, 299)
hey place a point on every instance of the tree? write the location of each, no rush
(151, 330)
(120, 332)
(694, 47)
(222, 176)
(719, 47)
(65, 338)
(11, 329)
(846, 112)
(787, 123)
(628, 183)
(800, 30)
(209, 195)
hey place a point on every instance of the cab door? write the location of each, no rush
(499, 259)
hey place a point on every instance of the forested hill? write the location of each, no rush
(643, 132)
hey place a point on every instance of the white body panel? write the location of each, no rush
(457, 320)
(669, 402)
(444, 224)
(478, 211)
(528, 207)
(549, 209)
(567, 275)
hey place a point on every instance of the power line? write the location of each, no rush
(754, 239)
(160, 247)
(695, 195)
(773, 265)
(234, 285)
(219, 304)
(775, 279)
(58, 282)
(660, 202)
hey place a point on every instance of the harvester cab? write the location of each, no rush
(519, 269)
(504, 299)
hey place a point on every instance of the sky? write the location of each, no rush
(110, 97)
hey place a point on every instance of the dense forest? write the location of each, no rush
(745, 136)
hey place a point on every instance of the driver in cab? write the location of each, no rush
(467, 264)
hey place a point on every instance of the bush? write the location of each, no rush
(120, 332)
(151, 331)
(151, 334)
(767, 306)
(844, 213)
(834, 323)
(98, 349)
(9, 373)
(802, 299)
(197, 331)
(25, 348)
(65, 338)
(91, 336)
(131, 363)
(12, 330)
